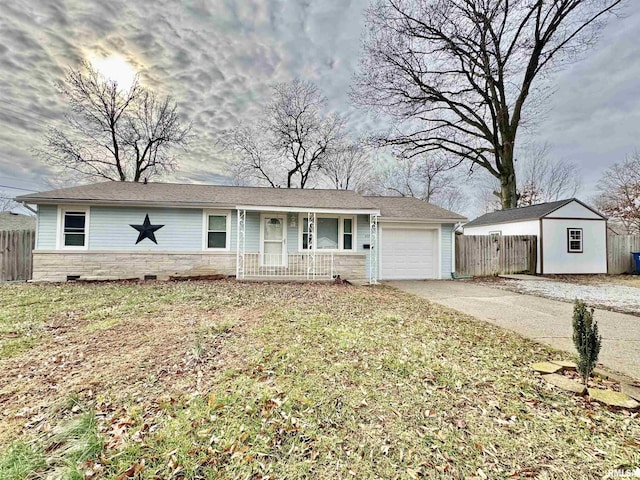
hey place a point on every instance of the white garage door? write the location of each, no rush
(408, 253)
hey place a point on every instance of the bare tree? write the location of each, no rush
(7, 203)
(619, 196)
(544, 179)
(541, 179)
(113, 134)
(291, 141)
(348, 167)
(429, 178)
(458, 74)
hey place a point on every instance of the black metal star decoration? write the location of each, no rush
(147, 230)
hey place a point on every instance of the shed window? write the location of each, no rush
(74, 232)
(574, 240)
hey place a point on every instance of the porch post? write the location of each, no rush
(240, 243)
(311, 245)
(373, 249)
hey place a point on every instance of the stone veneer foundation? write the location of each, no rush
(56, 266)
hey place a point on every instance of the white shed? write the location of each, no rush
(572, 236)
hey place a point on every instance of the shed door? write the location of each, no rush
(408, 253)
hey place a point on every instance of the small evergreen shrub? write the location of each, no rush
(586, 339)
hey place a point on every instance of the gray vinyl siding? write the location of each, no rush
(446, 250)
(252, 232)
(363, 236)
(183, 230)
(110, 229)
(47, 227)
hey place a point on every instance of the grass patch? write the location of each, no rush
(105, 324)
(21, 460)
(215, 381)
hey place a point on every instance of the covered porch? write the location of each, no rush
(306, 244)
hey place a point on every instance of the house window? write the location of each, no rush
(217, 231)
(347, 235)
(305, 234)
(74, 228)
(332, 233)
(327, 234)
(574, 240)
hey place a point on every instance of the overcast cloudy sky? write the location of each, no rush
(218, 58)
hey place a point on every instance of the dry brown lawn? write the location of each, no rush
(225, 380)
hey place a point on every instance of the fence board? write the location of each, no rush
(481, 255)
(619, 248)
(16, 259)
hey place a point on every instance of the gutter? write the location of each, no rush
(264, 208)
(25, 205)
(420, 220)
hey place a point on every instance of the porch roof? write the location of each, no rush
(205, 196)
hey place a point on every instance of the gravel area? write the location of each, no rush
(618, 298)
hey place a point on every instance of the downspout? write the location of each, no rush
(453, 248)
(25, 205)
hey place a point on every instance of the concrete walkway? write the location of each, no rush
(546, 321)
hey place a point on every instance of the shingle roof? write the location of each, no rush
(131, 193)
(173, 194)
(15, 221)
(519, 214)
(410, 208)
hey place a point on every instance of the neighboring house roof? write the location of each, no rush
(16, 221)
(410, 208)
(221, 196)
(520, 214)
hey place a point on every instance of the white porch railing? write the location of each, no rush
(292, 265)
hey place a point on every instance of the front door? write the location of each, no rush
(274, 242)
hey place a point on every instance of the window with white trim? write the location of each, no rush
(74, 228)
(574, 240)
(347, 233)
(333, 232)
(217, 232)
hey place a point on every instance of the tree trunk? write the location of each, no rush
(508, 190)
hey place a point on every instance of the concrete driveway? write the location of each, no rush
(546, 321)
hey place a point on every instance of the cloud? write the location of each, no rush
(219, 58)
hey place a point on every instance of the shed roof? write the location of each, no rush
(520, 214)
(410, 208)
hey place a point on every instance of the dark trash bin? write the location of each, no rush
(636, 261)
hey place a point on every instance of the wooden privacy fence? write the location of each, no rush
(15, 254)
(619, 250)
(483, 255)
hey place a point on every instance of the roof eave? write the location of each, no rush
(212, 205)
(421, 220)
(272, 208)
(484, 224)
(131, 203)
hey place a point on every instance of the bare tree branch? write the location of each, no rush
(429, 177)
(113, 134)
(347, 167)
(291, 141)
(619, 196)
(460, 75)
